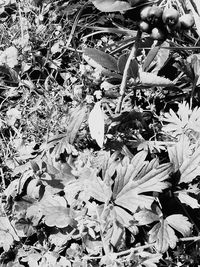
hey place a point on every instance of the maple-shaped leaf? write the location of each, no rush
(163, 236)
(88, 185)
(179, 152)
(184, 121)
(179, 223)
(127, 170)
(163, 233)
(184, 160)
(189, 196)
(132, 195)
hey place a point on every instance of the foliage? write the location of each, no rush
(99, 133)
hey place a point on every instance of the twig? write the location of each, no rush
(132, 55)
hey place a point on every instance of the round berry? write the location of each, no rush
(154, 15)
(144, 13)
(170, 17)
(157, 34)
(144, 26)
(186, 21)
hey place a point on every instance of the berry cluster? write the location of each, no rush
(159, 23)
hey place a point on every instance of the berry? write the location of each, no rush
(144, 26)
(144, 13)
(157, 34)
(186, 21)
(170, 17)
(154, 15)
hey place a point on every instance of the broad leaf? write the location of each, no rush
(96, 124)
(147, 78)
(182, 159)
(101, 58)
(150, 57)
(76, 118)
(133, 67)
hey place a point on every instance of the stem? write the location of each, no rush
(132, 56)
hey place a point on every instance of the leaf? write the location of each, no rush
(161, 57)
(9, 57)
(179, 152)
(151, 79)
(133, 67)
(195, 15)
(126, 171)
(132, 195)
(111, 6)
(125, 219)
(185, 198)
(150, 57)
(57, 216)
(76, 117)
(146, 217)
(6, 240)
(149, 259)
(180, 223)
(101, 58)
(163, 236)
(7, 233)
(96, 124)
(117, 234)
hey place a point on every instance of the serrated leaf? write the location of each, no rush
(163, 236)
(185, 198)
(125, 219)
(96, 124)
(151, 79)
(128, 170)
(57, 216)
(150, 57)
(179, 152)
(103, 59)
(146, 217)
(131, 196)
(180, 223)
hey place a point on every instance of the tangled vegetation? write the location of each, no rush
(99, 133)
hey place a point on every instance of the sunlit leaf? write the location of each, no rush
(146, 217)
(180, 223)
(151, 79)
(132, 195)
(101, 58)
(163, 236)
(96, 124)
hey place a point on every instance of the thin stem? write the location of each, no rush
(132, 55)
